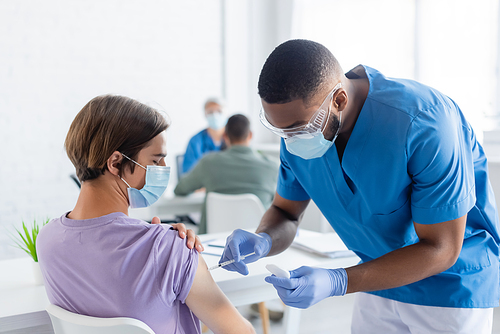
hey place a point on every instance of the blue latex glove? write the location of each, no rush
(240, 243)
(307, 286)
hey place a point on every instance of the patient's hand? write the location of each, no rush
(192, 239)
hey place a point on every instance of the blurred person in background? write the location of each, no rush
(236, 170)
(209, 139)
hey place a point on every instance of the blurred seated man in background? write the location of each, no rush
(209, 139)
(237, 170)
(98, 261)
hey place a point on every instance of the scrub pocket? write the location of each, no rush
(474, 254)
(396, 226)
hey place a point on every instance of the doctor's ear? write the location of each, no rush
(114, 163)
(340, 99)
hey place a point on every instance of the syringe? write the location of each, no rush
(230, 261)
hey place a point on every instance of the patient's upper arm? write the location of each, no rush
(212, 307)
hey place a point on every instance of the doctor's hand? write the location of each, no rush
(192, 239)
(307, 286)
(241, 243)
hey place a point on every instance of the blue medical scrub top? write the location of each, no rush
(199, 145)
(412, 156)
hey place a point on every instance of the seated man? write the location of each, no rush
(98, 261)
(237, 170)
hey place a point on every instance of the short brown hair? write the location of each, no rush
(106, 124)
(237, 128)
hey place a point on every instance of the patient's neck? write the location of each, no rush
(100, 197)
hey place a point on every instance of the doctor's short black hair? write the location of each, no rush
(296, 69)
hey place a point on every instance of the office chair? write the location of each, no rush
(74, 178)
(66, 322)
(179, 160)
(228, 212)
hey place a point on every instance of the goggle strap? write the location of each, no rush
(135, 162)
(318, 122)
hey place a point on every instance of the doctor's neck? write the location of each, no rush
(357, 91)
(216, 135)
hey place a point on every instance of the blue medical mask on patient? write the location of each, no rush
(156, 182)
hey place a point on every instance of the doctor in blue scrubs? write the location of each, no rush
(209, 139)
(398, 172)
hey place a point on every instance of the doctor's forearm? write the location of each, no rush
(400, 267)
(438, 249)
(279, 227)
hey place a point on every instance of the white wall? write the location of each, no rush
(253, 28)
(57, 55)
(445, 44)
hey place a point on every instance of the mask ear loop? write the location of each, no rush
(128, 185)
(135, 162)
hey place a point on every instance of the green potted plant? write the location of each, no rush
(25, 239)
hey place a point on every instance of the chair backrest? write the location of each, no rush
(74, 178)
(179, 160)
(229, 212)
(66, 322)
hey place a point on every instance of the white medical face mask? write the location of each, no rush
(216, 120)
(156, 182)
(308, 146)
(314, 145)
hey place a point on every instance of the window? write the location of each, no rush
(451, 45)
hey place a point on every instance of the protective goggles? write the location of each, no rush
(315, 124)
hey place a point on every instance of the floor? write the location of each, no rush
(332, 315)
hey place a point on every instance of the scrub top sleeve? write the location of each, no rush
(192, 180)
(440, 163)
(288, 185)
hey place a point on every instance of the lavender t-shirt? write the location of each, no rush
(116, 266)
